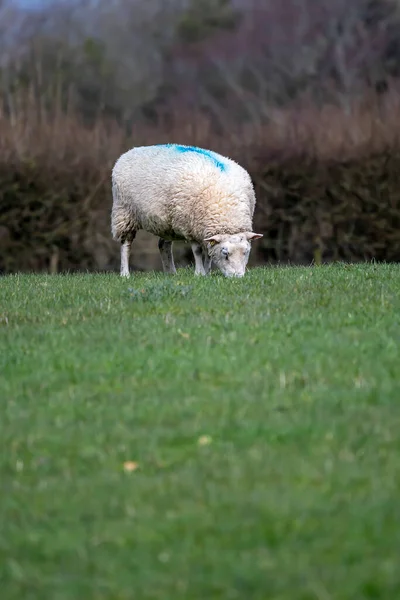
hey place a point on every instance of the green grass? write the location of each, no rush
(292, 373)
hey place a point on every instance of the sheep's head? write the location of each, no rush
(230, 253)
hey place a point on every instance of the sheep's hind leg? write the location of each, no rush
(167, 258)
(198, 259)
(126, 243)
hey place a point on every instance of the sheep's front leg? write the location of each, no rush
(167, 258)
(126, 243)
(198, 259)
(207, 262)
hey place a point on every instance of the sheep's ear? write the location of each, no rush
(250, 236)
(214, 239)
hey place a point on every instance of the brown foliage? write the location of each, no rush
(54, 193)
(327, 183)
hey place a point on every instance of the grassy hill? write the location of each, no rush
(201, 438)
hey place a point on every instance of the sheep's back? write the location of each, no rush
(173, 187)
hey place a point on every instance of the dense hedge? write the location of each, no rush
(330, 210)
(338, 201)
(52, 220)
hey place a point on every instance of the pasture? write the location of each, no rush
(201, 438)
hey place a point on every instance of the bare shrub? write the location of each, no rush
(326, 181)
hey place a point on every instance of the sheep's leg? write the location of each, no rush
(198, 259)
(126, 243)
(167, 258)
(207, 262)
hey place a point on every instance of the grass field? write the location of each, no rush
(201, 438)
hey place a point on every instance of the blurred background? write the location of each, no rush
(305, 94)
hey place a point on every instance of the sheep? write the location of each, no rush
(185, 193)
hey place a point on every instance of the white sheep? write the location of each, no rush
(184, 193)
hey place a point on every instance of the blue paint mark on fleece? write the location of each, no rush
(215, 159)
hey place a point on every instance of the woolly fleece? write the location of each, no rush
(180, 193)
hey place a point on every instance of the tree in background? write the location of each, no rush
(133, 59)
(329, 50)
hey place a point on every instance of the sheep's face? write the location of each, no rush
(230, 253)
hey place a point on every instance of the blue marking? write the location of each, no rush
(207, 153)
